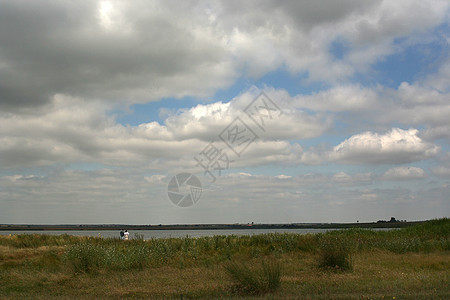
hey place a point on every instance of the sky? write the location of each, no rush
(183, 112)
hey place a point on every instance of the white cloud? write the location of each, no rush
(72, 130)
(350, 98)
(155, 178)
(207, 121)
(354, 179)
(420, 105)
(404, 173)
(282, 176)
(417, 95)
(395, 147)
(341, 176)
(270, 153)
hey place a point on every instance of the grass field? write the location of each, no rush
(409, 263)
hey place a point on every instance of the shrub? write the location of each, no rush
(161, 250)
(37, 240)
(137, 257)
(84, 257)
(88, 258)
(266, 278)
(138, 237)
(272, 275)
(335, 254)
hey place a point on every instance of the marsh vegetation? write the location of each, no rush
(410, 263)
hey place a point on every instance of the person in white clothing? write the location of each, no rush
(125, 235)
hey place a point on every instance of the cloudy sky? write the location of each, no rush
(286, 111)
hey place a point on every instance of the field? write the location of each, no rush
(408, 263)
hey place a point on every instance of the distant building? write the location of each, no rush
(392, 220)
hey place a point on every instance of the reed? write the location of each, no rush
(336, 254)
(266, 278)
(282, 265)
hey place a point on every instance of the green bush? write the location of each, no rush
(272, 275)
(266, 278)
(89, 258)
(85, 257)
(37, 240)
(137, 257)
(336, 254)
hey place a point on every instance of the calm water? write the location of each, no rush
(149, 234)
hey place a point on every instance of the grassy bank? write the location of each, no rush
(410, 263)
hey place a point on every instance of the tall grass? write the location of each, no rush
(266, 278)
(86, 254)
(336, 254)
(89, 258)
(85, 258)
(429, 236)
(37, 240)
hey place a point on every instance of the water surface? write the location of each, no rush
(149, 234)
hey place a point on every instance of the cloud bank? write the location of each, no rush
(362, 88)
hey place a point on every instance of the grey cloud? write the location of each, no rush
(60, 47)
(207, 121)
(416, 104)
(304, 14)
(71, 130)
(443, 167)
(441, 171)
(436, 133)
(133, 196)
(391, 19)
(141, 51)
(404, 173)
(341, 98)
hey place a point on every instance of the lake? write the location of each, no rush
(149, 234)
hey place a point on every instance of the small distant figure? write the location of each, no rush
(122, 234)
(125, 235)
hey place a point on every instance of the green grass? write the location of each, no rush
(336, 254)
(90, 258)
(409, 263)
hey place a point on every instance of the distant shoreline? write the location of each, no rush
(383, 224)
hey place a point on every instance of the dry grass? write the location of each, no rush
(196, 268)
(380, 275)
